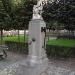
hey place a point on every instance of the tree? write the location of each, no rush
(68, 15)
(22, 16)
(15, 15)
(4, 18)
(18, 11)
(62, 11)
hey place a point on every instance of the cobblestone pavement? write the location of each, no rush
(11, 66)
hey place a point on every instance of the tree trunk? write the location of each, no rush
(72, 33)
(18, 41)
(18, 36)
(1, 37)
(24, 36)
(69, 34)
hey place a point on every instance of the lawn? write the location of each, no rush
(14, 39)
(58, 42)
(62, 42)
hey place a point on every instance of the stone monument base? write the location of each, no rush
(35, 66)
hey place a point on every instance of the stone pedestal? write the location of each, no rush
(30, 68)
(36, 62)
(36, 48)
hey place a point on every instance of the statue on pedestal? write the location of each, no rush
(37, 9)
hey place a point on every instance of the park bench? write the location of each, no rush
(3, 53)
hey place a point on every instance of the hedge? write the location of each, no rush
(17, 47)
(51, 50)
(60, 51)
(66, 37)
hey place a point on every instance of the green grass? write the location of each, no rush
(62, 42)
(14, 39)
(58, 42)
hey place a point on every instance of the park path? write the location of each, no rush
(64, 66)
(11, 59)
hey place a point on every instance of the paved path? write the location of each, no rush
(11, 59)
(10, 66)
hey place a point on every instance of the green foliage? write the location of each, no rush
(17, 47)
(22, 14)
(62, 42)
(60, 51)
(62, 12)
(61, 48)
(16, 14)
(15, 39)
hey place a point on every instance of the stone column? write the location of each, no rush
(36, 62)
(36, 48)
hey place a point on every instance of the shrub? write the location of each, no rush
(17, 47)
(51, 50)
(66, 37)
(60, 51)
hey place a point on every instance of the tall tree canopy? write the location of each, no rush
(14, 14)
(62, 11)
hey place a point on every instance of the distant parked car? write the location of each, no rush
(3, 51)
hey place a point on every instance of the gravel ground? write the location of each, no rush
(63, 63)
(11, 59)
(10, 65)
